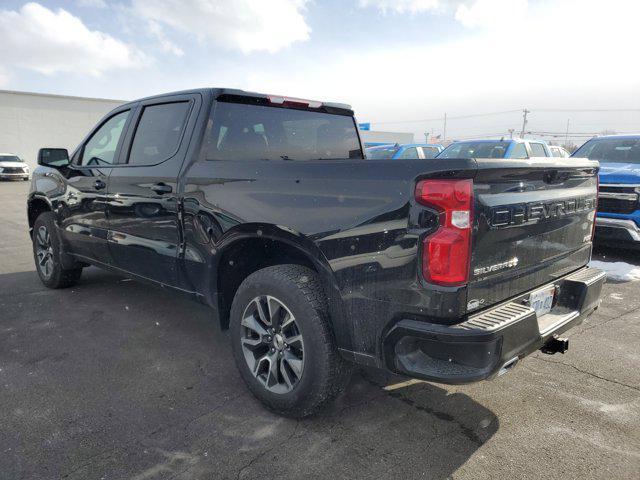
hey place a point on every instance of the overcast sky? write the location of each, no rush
(393, 60)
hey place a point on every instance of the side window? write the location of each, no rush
(430, 152)
(538, 150)
(158, 133)
(519, 151)
(100, 150)
(411, 152)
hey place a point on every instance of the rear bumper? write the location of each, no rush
(616, 230)
(481, 346)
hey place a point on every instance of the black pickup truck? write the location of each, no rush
(315, 258)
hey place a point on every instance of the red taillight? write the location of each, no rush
(447, 252)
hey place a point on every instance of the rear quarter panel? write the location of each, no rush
(357, 217)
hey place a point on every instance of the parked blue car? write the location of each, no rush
(409, 150)
(504, 148)
(618, 218)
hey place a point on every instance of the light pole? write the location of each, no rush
(525, 112)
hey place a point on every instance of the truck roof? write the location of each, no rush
(387, 145)
(619, 136)
(217, 92)
(493, 140)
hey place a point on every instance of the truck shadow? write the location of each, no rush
(151, 371)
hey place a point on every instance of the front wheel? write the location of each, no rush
(283, 343)
(47, 252)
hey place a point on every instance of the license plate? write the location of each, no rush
(542, 300)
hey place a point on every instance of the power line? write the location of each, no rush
(570, 110)
(504, 112)
(440, 119)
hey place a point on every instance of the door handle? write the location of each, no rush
(99, 184)
(161, 188)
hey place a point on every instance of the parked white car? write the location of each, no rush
(11, 166)
(557, 151)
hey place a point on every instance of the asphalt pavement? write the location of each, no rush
(113, 379)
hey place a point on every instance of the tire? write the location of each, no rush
(47, 252)
(26, 179)
(308, 372)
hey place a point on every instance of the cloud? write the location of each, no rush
(587, 62)
(166, 45)
(4, 77)
(39, 39)
(245, 25)
(471, 13)
(401, 6)
(92, 3)
(486, 13)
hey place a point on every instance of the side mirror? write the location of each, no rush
(53, 157)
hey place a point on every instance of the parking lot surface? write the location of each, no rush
(113, 379)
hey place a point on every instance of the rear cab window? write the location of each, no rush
(258, 132)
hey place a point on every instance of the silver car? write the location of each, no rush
(11, 166)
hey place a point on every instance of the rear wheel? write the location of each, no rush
(283, 343)
(47, 252)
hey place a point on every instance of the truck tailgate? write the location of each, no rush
(533, 223)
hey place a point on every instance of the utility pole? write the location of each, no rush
(525, 112)
(444, 128)
(566, 137)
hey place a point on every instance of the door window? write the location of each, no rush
(519, 151)
(538, 150)
(158, 133)
(411, 152)
(100, 150)
(430, 152)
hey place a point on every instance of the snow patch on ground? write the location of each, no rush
(618, 271)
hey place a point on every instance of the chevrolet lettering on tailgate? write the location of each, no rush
(518, 214)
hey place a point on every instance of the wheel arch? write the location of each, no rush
(37, 204)
(253, 247)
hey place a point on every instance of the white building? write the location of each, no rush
(30, 121)
(372, 137)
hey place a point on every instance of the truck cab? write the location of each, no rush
(502, 148)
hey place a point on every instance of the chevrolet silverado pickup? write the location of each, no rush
(314, 258)
(618, 219)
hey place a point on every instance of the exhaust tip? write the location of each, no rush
(508, 366)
